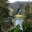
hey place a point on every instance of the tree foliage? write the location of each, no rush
(27, 24)
(4, 12)
(17, 29)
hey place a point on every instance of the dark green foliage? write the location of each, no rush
(27, 12)
(17, 29)
(4, 12)
(11, 30)
(30, 16)
(17, 10)
(27, 28)
(0, 28)
(3, 3)
(27, 24)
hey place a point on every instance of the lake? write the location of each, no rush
(17, 21)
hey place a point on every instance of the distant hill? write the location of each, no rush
(19, 4)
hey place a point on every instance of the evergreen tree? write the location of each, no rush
(27, 24)
(4, 12)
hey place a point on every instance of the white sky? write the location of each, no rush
(11, 1)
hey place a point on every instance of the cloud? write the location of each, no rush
(16, 0)
(11, 1)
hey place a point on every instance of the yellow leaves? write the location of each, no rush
(11, 12)
(18, 16)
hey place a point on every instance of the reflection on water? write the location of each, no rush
(18, 21)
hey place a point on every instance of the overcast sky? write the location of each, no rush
(11, 1)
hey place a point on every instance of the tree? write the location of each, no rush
(27, 24)
(4, 12)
